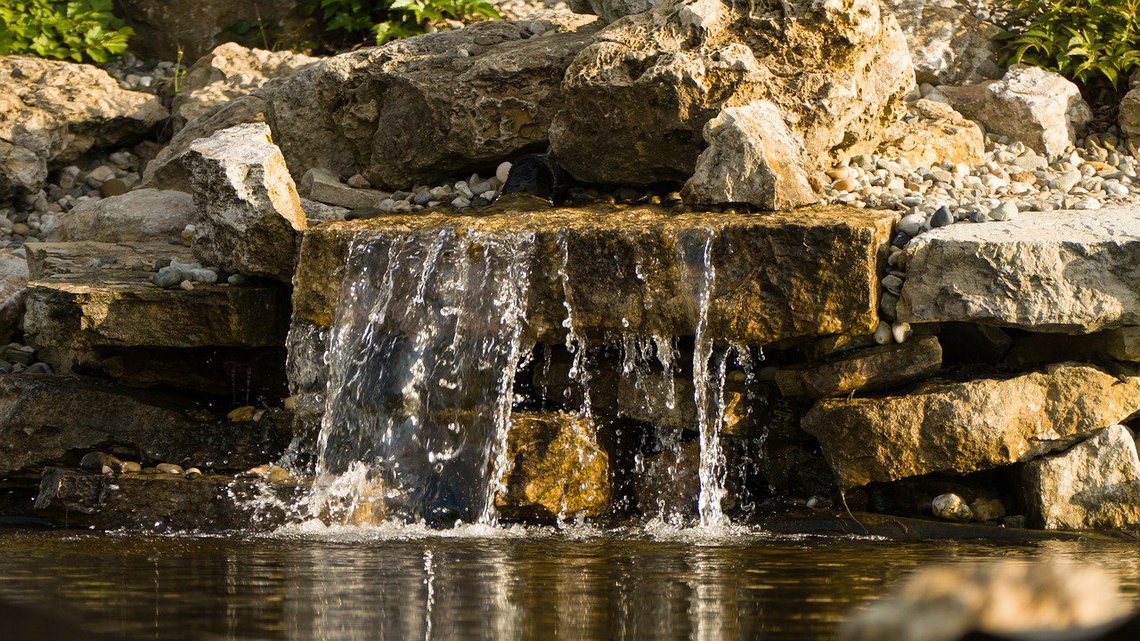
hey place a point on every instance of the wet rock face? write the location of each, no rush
(53, 112)
(385, 113)
(968, 426)
(635, 101)
(1068, 271)
(642, 270)
(1095, 484)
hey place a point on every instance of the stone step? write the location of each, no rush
(1067, 271)
(87, 295)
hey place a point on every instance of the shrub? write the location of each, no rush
(385, 20)
(1087, 41)
(78, 30)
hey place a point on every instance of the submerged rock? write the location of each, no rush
(1095, 484)
(962, 427)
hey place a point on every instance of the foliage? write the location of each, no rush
(1087, 41)
(388, 19)
(77, 29)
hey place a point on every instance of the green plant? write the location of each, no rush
(385, 20)
(78, 29)
(1087, 41)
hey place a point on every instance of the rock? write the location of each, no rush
(963, 427)
(248, 207)
(636, 100)
(987, 509)
(53, 112)
(325, 187)
(169, 32)
(1123, 344)
(932, 132)
(941, 218)
(610, 10)
(138, 216)
(948, 45)
(13, 285)
(98, 461)
(1036, 107)
(752, 158)
(384, 112)
(229, 71)
(865, 370)
(131, 467)
(1130, 115)
(1093, 485)
(558, 470)
(1000, 598)
(1065, 271)
(952, 508)
(170, 468)
(49, 419)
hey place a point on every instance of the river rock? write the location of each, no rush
(932, 133)
(963, 427)
(865, 370)
(636, 100)
(558, 471)
(1067, 271)
(752, 158)
(137, 216)
(1008, 599)
(229, 71)
(53, 112)
(951, 507)
(172, 31)
(1039, 108)
(418, 109)
(1094, 484)
(13, 285)
(949, 45)
(248, 207)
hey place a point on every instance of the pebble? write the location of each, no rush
(901, 331)
(503, 171)
(1004, 211)
(883, 334)
(952, 508)
(169, 468)
(97, 461)
(845, 184)
(359, 182)
(193, 473)
(131, 467)
(941, 217)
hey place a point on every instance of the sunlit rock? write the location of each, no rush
(865, 370)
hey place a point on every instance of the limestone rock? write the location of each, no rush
(13, 285)
(384, 112)
(325, 187)
(229, 71)
(636, 100)
(952, 508)
(167, 29)
(1036, 107)
(248, 207)
(752, 158)
(949, 46)
(962, 427)
(558, 470)
(1123, 344)
(931, 133)
(864, 370)
(999, 598)
(1095, 484)
(1067, 271)
(136, 216)
(53, 112)
(1130, 115)
(610, 10)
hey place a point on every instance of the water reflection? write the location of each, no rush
(543, 586)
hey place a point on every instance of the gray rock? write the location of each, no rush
(136, 216)
(324, 186)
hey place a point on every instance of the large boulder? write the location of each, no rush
(752, 158)
(420, 109)
(229, 71)
(636, 100)
(53, 112)
(136, 216)
(248, 207)
(1067, 271)
(963, 427)
(1030, 105)
(948, 44)
(1094, 484)
(172, 30)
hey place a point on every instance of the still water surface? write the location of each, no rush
(532, 584)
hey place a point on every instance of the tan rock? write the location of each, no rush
(948, 44)
(1130, 115)
(137, 216)
(969, 426)
(932, 132)
(871, 369)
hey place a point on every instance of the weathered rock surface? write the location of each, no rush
(968, 426)
(52, 112)
(864, 370)
(1130, 115)
(931, 133)
(136, 216)
(557, 468)
(384, 112)
(13, 285)
(1067, 271)
(1123, 344)
(774, 277)
(229, 71)
(248, 207)
(610, 10)
(752, 158)
(54, 420)
(1036, 107)
(1095, 484)
(325, 187)
(635, 101)
(949, 46)
(73, 304)
(166, 29)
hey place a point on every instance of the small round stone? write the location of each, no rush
(951, 507)
(941, 218)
